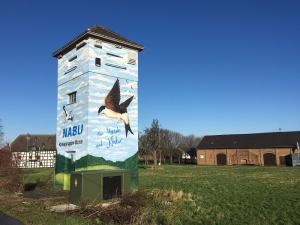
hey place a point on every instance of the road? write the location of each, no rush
(7, 220)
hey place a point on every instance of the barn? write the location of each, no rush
(34, 151)
(269, 149)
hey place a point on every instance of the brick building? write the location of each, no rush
(274, 148)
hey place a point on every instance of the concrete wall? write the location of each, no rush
(242, 156)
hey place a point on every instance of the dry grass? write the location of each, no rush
(138, 208)
(119, 211)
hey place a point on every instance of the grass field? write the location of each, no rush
(42, 175)
(222, 195)
(232, 195)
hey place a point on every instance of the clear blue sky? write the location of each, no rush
(209, 67)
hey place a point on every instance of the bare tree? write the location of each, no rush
(161, 139)
(164, 143)
(153, 139)
(189, 146)
(143, 147)
(176, 142)
(190, 142)
(1, 135)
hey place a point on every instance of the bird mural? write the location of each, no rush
(68, 115)
(113, 109)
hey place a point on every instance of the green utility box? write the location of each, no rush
(98, 184)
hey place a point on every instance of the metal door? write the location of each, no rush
(111, 187)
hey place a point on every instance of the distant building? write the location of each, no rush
(274, 148)
(34, 151)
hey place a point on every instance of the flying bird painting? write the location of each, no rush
(113, 109)
(68, 115)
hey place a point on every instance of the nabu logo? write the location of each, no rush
(72, 131)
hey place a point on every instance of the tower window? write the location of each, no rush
(98, 62)
(80, 45)
(72, 97)
(132, 58)
(71, 69)
(132, 61)
(112, 54)
(116, 66)
(98, 44)
(73, 58)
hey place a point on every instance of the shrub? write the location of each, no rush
(12, 174)
(119, 211)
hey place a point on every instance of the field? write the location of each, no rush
(221, 195)
(232, 195)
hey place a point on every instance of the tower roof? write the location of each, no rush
(102, 33)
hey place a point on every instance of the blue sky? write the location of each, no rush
(209, 67)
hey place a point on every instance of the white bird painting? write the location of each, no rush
(68, 115)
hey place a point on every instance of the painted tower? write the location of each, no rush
(97, 104)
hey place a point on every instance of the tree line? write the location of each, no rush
(159, 145)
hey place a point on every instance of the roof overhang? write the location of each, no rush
(85, 35)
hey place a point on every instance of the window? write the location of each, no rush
(72, 97)
(132, 61)
(98, 44)
(73, 58)
(71, 69)
(98, 62)
(112, 54)
(131, 58)
(80, 45)
(116, 66)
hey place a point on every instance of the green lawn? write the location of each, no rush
(222, 195)
(42, 175)
(232, 195)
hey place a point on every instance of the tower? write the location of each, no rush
(97, 104)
